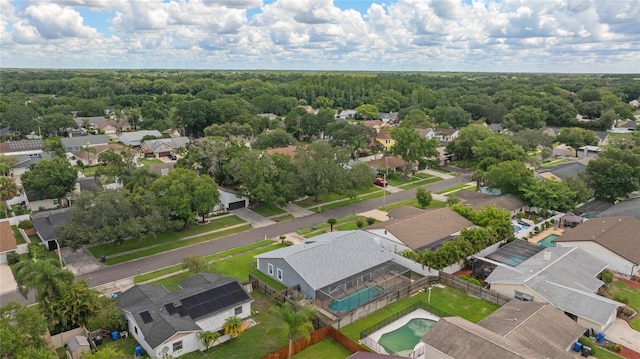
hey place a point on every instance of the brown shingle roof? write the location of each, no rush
(387, 163)
(7, 239)
(373, 123)
(427, 229)
(466, 195)
(288, 151)
(618, 234)
(505, 201)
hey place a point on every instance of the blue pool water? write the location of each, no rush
(356, 299)
(546, 241)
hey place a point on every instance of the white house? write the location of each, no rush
(613, 240)
(563, 277)
(135, 138)
(166, 324)
(347, 114)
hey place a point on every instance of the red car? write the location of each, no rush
(380, 182)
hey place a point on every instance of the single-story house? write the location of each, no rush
(629, 207)
(45, 222)
(495, 127)
(166, 324)
(375, 124)
(229, 200)
(563, 171)
(331, 266)
(589, 151)
(162, 169)
(134, 139)
(163, 147)
(71, 144)
(384, 138)
(388, 117)
(516, 330)
(22, 147)
(419, 230)
(8, 242)
(393, 163)
(24, 161)
(479, 200)
(347, 114)
(565, 277)
(91, 157)
(613, 240)
(444, 135)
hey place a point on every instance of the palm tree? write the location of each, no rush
(479, 176)
(137, 178)
(74, 308)
(8, 190)
(44, 276)
(232, 326)
(294, 323)
(331, 222)
(208, 338)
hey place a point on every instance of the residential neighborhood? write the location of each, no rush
(374, 229)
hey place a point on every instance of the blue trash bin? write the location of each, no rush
(600, 337)
(138, 351)
(577, 346)
(114, 335)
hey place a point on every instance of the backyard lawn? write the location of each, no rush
(629, 295)
(327, 348)
(18, 235)
(449, 300)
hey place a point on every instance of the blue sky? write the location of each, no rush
(424, 35)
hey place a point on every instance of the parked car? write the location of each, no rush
(173, 157)
(380, 182)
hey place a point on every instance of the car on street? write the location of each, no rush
(380, 182)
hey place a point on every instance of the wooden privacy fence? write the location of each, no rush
(315, 337)
(473, 289)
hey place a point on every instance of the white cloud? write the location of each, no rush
(416, 34)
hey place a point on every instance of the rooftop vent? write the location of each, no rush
(547, 255)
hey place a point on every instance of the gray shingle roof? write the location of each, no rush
(567, 280)
(135, 138)
(629, 207)
(72, 142)
(45, 222)
(328, 261)
(567, 170)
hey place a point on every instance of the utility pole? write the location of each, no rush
(384, 189)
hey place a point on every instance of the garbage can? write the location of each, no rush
(600, 337)
(114, 335)
(97, 340)
(586, 351)
(138, 351)
(577, 346)
(103, 259)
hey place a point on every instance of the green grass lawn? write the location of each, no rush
(150, 161)
(554, 162)
(268, 211)
(450, 300)
(628, 295)
(414, 203)
(330, 197)
(238, 266)
(89, 171)
(325, 225)
(283, 218)
(345, 202)
(175, 244)
(18, 235)
(255, 342)
(454, 188)
(422, 182)
(605, 354)
(108, 249)
(327, 348)
(174, 268)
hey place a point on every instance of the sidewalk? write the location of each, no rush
(436, 174)
(296, 211)
(256, 220)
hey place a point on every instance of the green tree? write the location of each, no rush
(74, 308)
(55, 124)
(454, 116)
(524, 117)
(367, 112)
(8, 190)
(509, 176)
(232, 326)
(54, 146)
(531, 139)
(412, 147)
(113, 164)
(577, 137)
(499, 147)
(106, 352)
(44, 276)
(56, 177)
(320, 169)
(194, 263)
(331, 222)
(322, 102)
(22, 331)
(424, 197)
(294, 323)
(416, 118)
(6, 164)
(273, 139)
(354, 137)
(462, 147)
(615, 173)
(133, 178)
(579, 187)
(108, 315)
(549, 194)
(208, 338)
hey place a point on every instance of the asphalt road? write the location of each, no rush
(147, 264)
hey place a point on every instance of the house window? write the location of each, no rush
(523, 297)
(270, 268)
(280, 274)
(238, 310)
(135, 329)
(177, 346)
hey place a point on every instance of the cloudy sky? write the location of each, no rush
(400, 35)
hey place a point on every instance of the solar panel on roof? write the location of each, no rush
(146, 317)
(212, 300)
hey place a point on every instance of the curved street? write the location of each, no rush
(130, 269)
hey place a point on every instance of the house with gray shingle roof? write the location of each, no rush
(614, 240)
(45, 223)
(71, 144)
(563, 171)
(322, 263)
(166, 324)
(516, 330)
(135, 138)
(163, 147)
(565, 277)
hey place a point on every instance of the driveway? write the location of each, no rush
(80, 261)
(7, 282)
(620, 332)
(252, 217)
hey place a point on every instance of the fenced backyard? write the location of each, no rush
(473, 289)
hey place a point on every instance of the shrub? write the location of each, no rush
(13, 258)
(194, 263)
(36, 250)
(25, 224)
(520, 215)
(606, 276)
(614, 347)
(552, 221)
(359, 223)
(470, 279)
(371, 221)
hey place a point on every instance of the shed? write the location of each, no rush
(78, 345)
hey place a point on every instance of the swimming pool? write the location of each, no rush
(546, 241)
(356, 299)
(403, 340)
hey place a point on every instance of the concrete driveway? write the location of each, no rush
(620, 332)
(252, 217)
(7, 282)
